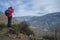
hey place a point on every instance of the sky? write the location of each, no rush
(30, 7)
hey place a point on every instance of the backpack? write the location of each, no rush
(6, 13)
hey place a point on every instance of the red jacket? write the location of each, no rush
(10, 11)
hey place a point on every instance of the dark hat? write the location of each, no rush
(10, 7)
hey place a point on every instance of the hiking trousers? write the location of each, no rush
(9, 21)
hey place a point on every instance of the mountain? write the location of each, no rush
(42, 22)
(3, 18)
(46, 21)
(23, 18)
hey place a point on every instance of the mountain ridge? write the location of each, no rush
(45, 21)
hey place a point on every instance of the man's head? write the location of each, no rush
(9, 7)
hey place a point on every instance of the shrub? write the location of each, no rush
(2, 25)
(16, 27)
(23, 27)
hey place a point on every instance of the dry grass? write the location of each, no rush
(38, 35)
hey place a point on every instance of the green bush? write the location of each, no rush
(2, 25)
(23, 27)
(16, 27)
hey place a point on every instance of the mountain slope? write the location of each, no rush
(23, 18)
(3, 19)
(45, 21)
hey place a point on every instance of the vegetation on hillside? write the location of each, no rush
(22, 28)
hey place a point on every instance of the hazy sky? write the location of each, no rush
(31, 7)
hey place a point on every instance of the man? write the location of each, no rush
(8, 13)
(10, 10)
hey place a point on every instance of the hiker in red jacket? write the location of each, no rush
(10, 10)
(8, 13)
